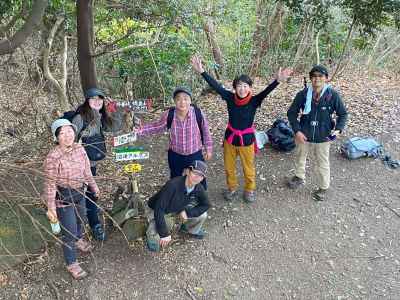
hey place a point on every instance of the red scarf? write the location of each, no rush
(242, 101)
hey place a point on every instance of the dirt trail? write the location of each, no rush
(284, 246)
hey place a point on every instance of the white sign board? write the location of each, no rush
(124, 139)
(131, 155)
(143, 105)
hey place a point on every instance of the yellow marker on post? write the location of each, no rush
(132, 168)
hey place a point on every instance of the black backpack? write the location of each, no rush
(199, 119)
(281, 136)
(95, 146)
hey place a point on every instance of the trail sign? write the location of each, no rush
(140, 105)
(123, 156)
(124, 139)
(132, 168)
(128, 149)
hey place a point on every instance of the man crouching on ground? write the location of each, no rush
(181, 197)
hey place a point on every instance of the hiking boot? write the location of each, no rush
(98, 232)
(320, 194)
(199, 235)
(229, 195)
(249, 196)
(295, 182)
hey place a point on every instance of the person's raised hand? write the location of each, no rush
(197, 64)
(110, 105)
(284, 74)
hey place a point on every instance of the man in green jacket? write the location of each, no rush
(181, 197)
(316, 128)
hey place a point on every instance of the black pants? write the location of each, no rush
(91, 207)
(72, 218)
(178, 162)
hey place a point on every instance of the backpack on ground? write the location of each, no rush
(281, 136)
(357, 147)
(95, 146)
(199, 119)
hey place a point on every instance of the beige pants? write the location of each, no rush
(320, 152)
(193, 224)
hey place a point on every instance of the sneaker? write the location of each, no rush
(320, 194)
(229, 195)
(98, 232)
(76, 271)
(199, 235)
(153, 245)
(295, 182)
(249, 196)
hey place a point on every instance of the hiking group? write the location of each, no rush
(71, 192)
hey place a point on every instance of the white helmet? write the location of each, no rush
(59, 123)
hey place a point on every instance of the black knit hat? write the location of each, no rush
(181, 89)
(320, 69)
(93, 92)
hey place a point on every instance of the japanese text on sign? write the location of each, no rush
(123, 156)
(124, 139)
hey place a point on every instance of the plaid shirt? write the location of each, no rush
(184, 136)
(70, 170)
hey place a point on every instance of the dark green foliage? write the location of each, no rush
(371, 15)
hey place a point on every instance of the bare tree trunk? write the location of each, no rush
(317, 47)
(86, 62)
(212, 41)
(60, 86)
(372, 54)
(276, 24)
(344, 47)
(8, 45)
(260, 43)
(389, 51)
(304, 40)
(268, 29)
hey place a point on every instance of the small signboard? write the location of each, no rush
(124, 139)
(129, 148)
(133, 168)
(142, 105)
(123, 156)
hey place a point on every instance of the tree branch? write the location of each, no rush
(64, 70)
(4, 30)
(135, 46)
(60, 88)
(344, 47)
(9, 45)
(389, 51)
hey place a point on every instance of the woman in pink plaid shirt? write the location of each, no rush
(67, 170)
